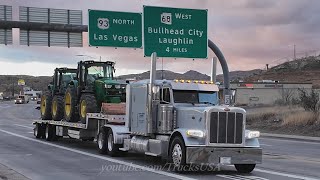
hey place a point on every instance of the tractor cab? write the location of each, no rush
(62, 76)
(94, 85)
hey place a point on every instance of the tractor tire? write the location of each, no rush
(57, 108)
(70, 105)
(88, 104)
(45, 107)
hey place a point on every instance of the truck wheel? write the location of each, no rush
(50, 132)
(70, 102)
(245, 168)
(112, 149)
(57, 108)
(88, 104)
(177, 154)
(45, 107)
(38, 131)
(102, 142)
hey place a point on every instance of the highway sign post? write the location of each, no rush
(115, 29)
(174, 32)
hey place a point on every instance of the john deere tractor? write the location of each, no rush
(52, 106)
(93, 86)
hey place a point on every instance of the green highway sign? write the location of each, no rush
(115, 29)
(174, 32)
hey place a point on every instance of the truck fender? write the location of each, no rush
(120, 133)
(188, 141)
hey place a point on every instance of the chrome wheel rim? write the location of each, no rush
(100, 141)
(47, 132)
(36, 130)
(110, 142)
(177, 155)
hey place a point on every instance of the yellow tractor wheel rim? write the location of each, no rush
(83, 108)
(54, 108)
(68, 104)
(43, 105)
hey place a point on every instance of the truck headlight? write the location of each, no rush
(252, 134)
(195, 133)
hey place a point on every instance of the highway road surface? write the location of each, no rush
(73, 159)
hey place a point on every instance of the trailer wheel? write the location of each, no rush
(88, 104)
(102, 142)
(38, 131)
(45, 107)
(70, 102)
(57, 108)
(112, 149)
(177, 154)
(245, 168)
(50, 132)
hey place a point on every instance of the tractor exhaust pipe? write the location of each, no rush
(153, 73)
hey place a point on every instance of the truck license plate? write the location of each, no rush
(225, 160)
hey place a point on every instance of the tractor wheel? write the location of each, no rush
(45, 107)
(88, 104)
(57, 108)
(70, 103)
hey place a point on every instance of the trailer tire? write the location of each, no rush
(112, 149)
(50, 132)
(45, 106)
(245, 168)
(87, 104)
(70, 105)
(38, 131)
(177, 154)
(57, 108)
(102, 141)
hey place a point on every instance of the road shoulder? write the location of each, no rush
(7, 173)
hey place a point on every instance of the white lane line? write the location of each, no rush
(239, 177)
(29, 127)
(31, 132)
(284, 174)
(102, 157)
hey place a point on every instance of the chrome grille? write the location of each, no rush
(226, 127)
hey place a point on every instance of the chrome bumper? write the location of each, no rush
(212, 155)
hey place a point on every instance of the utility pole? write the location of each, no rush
(294, 52)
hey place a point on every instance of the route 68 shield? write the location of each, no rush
(103, 23)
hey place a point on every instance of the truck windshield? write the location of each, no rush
(195, 97)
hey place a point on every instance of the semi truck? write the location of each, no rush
(178, 120)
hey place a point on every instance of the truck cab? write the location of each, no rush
(184, 123)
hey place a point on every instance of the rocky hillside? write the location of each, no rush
(300, 70)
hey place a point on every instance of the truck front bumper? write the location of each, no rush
(219, 155)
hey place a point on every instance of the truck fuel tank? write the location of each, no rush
(165, 118)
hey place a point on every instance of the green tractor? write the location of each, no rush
(51, 106)
(94, 85)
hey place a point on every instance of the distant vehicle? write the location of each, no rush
(34, 98)
(21, 99)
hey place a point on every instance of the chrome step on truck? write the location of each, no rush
(179, 120)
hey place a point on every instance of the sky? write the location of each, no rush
(250, 33)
